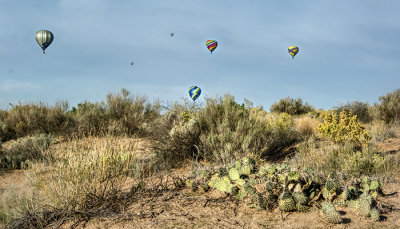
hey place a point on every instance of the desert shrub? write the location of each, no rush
(230, 131)
(172, 133)
(90, 118)
(343, 128)
(224, 130)
(389, 107)
(130, 115)
(18, 153)
(22, 120)
(121, 114)
(291, 106)
(362, 110)
(306, 126)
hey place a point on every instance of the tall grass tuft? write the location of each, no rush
(83, 171)
(306, 126)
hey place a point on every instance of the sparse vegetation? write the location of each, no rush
(88, 161)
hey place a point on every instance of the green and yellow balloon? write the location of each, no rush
(293, 50)
(194, 92)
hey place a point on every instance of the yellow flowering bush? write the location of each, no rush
(343, 128)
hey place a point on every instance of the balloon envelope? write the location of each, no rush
(211, 45)
(194, 92)
(44, 38)
(293, 50)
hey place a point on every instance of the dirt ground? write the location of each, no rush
(213, 210)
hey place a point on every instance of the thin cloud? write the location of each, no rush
(14, 85)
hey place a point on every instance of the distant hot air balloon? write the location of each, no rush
(172, 34)
(132, 63)
(293, 50)
(194, 92)
(211, 45)
(44, 38)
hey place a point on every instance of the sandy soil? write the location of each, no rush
(214, 210)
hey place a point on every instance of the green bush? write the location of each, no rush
(291, 106)
(18, 153)
(362, 110)
(389, 107)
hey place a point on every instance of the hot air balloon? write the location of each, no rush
(194, 92)
(172, 34)
(211, 45)
(293, 50)
(132, 63)
(44, 38)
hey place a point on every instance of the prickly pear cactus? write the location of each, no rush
(365, 203)
(374, 214)
(286, 202)
(300, 198)
(329, 213)
(259, 202)
(293, 176)
(234, 174)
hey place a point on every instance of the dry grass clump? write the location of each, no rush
(18, 200)
(380, 131)
(328, 158)
(306, 126)
(82, 171)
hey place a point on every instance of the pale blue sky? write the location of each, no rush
(348, 50)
